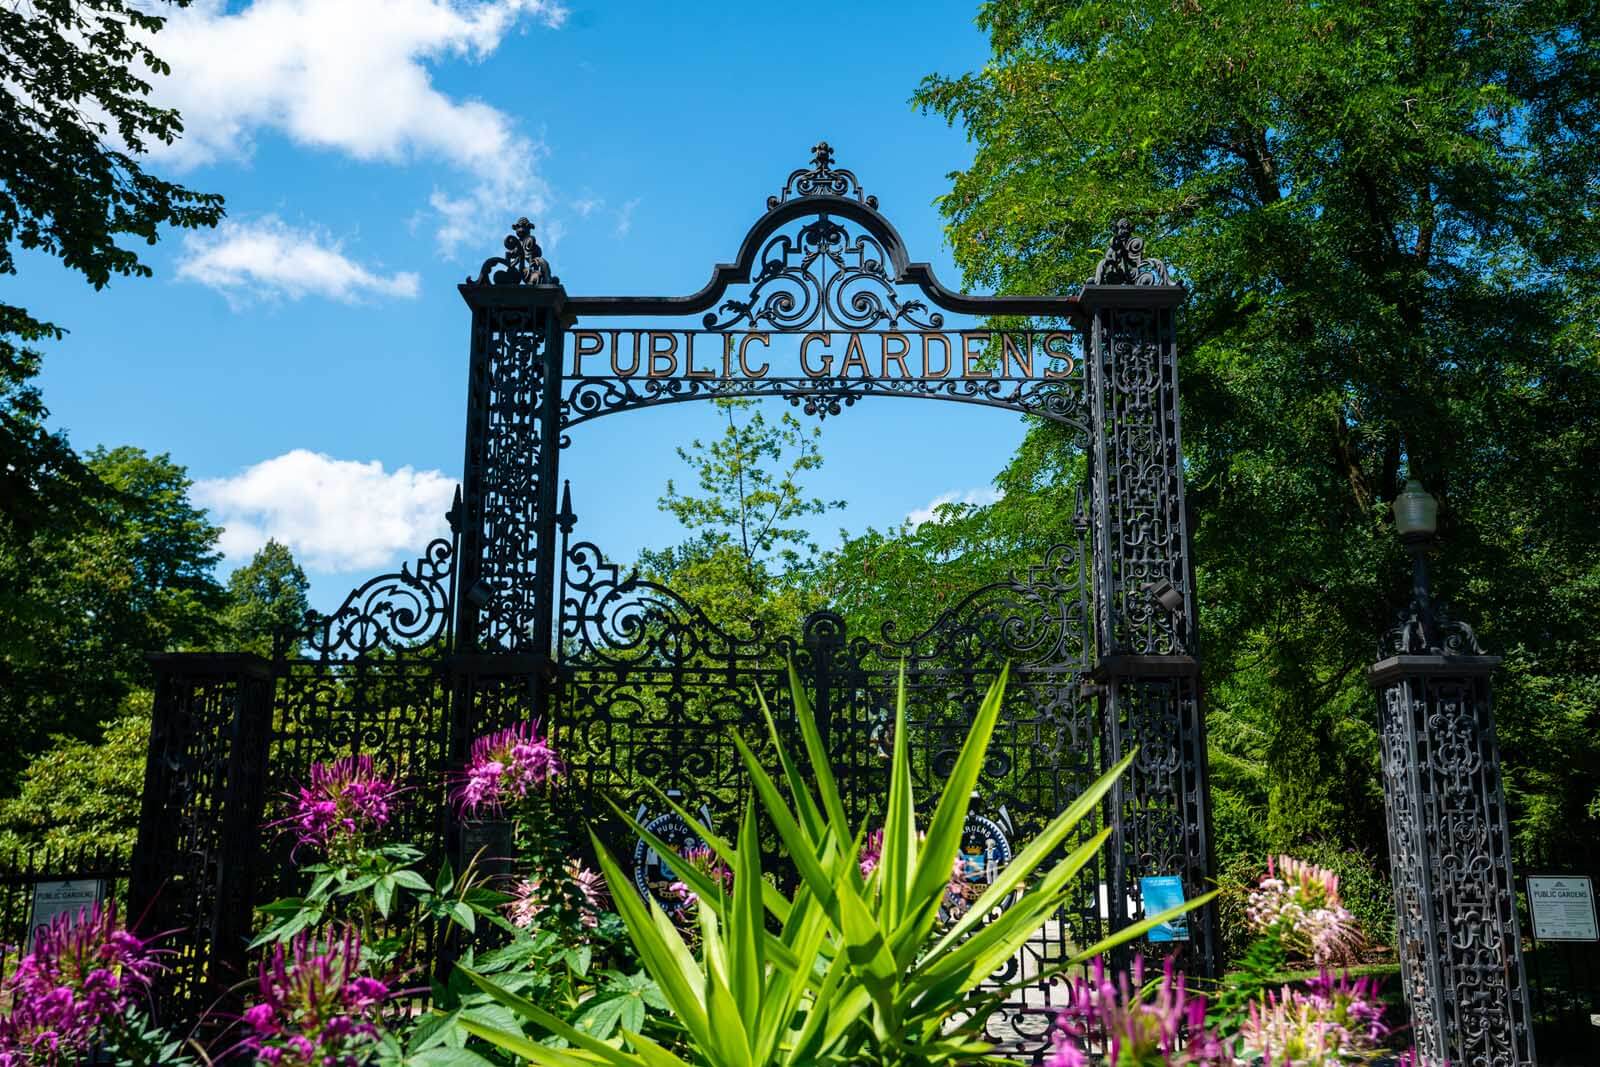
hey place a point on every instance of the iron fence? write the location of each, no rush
(22, 873)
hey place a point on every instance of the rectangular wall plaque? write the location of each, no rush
(57, 898)
(1562, 907)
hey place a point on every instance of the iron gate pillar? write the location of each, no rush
(1450, 858)
(1147, 673)
(193, 876)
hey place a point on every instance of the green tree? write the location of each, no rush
(1385, 215)
(83, 794)
(134, 577)
(74, 118)
(750, 556)
(266, 598)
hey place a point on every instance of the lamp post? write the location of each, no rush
(1449, 839)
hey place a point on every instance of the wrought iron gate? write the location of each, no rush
(511, 617)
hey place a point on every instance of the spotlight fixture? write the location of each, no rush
(1166, 594)
(480, 594)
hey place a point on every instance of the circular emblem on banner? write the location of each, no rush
(652, 872)
(985, 852)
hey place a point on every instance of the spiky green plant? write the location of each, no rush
(847, 969)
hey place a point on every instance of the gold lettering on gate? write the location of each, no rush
(827, 360)
(657, 354)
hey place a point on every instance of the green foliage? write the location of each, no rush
(83, 794)
(266, 597)
(131, 575)
(846, 969)
(1381, 211)
(374, 889)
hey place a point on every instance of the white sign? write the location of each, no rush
(56, 898)
(1563, 908)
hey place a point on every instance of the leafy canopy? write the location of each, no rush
(1384, 213)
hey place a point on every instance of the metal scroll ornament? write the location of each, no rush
(1125, 262)
(821, 179)
(398, 612)
(822, 274)
(523, 263)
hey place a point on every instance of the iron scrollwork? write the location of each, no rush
(821, 179)
(1125, 262)
(396, 612)
(795, 291)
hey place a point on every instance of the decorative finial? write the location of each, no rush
(523, 263)
(1125, 262)
(822, 180)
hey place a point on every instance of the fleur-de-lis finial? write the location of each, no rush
(822, 155)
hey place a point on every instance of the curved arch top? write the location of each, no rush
(822, 192)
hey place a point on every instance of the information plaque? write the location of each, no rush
(56, 898)
(1562, 907)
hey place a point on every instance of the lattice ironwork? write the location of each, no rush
(1450, 857)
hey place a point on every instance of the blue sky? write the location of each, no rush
(307, 361)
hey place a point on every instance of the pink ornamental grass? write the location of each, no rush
(504, 767)
(315, 1008)
(1298, 902)
(1166, 1029)
(344, 802)
(85, 970)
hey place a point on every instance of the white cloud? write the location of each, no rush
(588, 205)
(977, 497)
(334, 514)
(625, 217)
(353, 76)
(268, 258)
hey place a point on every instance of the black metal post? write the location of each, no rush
(1449, 840)
(1143, 586)
(193, 877)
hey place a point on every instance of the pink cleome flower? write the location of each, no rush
(532, 899)
(344, 802)
(708, 863)
(315, 1008)
(1331, 1020)
(84, 971)
(505, 766)
(1167, 1028)
(1299, 903)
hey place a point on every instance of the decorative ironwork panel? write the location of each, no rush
(507, 507)
(1140, 536)
(1449, 850)
(650, 687)
(192, 866)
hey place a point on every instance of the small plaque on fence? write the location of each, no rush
(57, 898)
(1162, 892)
(1562, 907)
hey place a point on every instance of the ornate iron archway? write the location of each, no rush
(512, 617)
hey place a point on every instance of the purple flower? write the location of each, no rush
(345, 801)
(1334, 1019)
(1167, 1028)
(1298, 903)
(84, 971)
(506, 766)
(315, 1008)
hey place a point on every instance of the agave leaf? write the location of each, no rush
(747, 921)
(950, 815)
(821, 766)
(806, 806)
(1029, 859)
(899, 855)
(803, 849)
(661, 951)
(597, 1051)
